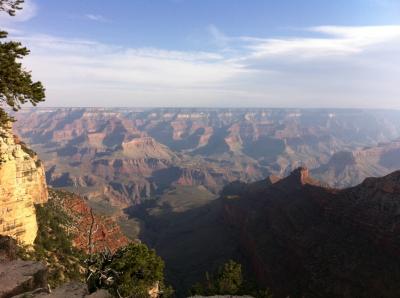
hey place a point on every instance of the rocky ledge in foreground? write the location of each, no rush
(17, 277)
(29, 279)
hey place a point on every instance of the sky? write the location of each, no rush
(213, 53)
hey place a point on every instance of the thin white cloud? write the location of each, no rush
(58, 61)
(11, 30)
(96, 17)
(218, 36)
(337, 41)
(336, 67)
(354, 67)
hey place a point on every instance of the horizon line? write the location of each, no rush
(209, 108)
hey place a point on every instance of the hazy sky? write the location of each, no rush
(236, 53)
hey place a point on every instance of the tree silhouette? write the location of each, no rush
(16, 85)
(11, 6)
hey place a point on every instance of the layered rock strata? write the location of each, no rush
(22, 184)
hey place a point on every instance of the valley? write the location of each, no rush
(203, 186)
(125, 156)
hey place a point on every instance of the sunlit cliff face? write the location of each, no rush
(22, 184)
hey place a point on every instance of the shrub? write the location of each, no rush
(53, 244)
(130, 272)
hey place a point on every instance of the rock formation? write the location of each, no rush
(106, 233)
(22, 184)
(17, 277)
(349, 168)
(301, 238)
(115, 154)
(72, 289)
(298, 237)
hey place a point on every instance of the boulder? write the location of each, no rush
(69, 290)
(17, 277)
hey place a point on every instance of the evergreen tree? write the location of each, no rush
(130, 272)
(11, 6)
(228, 280)
(16, 85)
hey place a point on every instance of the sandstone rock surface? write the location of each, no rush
(73, 289)
(17, 277)
(69, 290)
(22, 184)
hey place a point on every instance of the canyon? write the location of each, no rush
(125, 156)
(283, 192)
(305, 239)
(347, 168)
(294, 235)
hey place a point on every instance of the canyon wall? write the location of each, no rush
(301, 238)
(22, 184)
(125, 156)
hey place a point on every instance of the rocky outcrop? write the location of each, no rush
(73, 289)
(28, 279)
(17, 277)
(22, 184)
(301, 238)
(349, 168)
(145, 148)
(373, 208)
(8, 249)
(105, 231)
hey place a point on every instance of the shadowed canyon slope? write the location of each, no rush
(296, 237)
(304, 238)
(127, 155)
